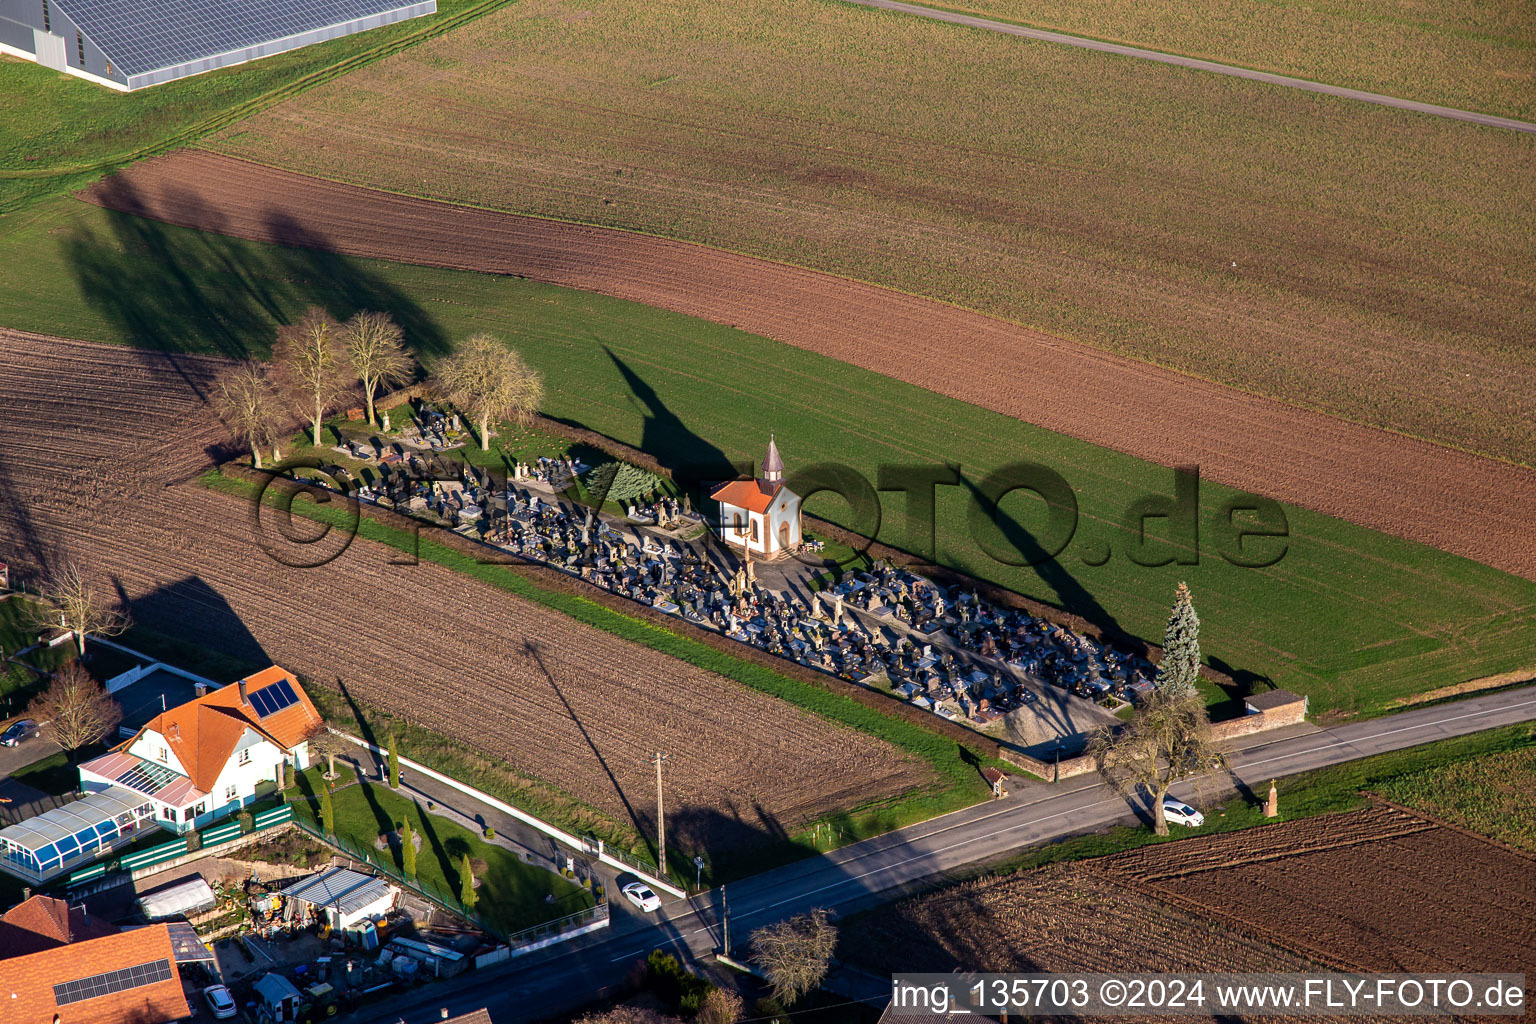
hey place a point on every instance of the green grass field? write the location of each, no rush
(1351, 617)
(58, 131)
(1490, 794)
(1471, 54)
(511, 892)
(1334, 255)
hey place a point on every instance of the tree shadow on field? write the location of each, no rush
(531, 648)
(196, 290)
(693, 460)
(193, 610)
(343, 285)
(1071, 595)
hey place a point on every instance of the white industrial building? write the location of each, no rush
(130, 44)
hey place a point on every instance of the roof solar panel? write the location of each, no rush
(269, 700)
(139, 36)
(112, 981)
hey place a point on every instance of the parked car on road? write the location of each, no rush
(220, 1002)
(641, 896)
(16, 732)
(1177, 812)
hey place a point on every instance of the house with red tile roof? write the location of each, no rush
(204, 759)
(56, 965)
(44, 922)
(761, 516)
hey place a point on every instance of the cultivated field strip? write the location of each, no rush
(1058, 919)
(1234, 849)
(1471, 506)
(1363, 891)
(96, 442)
(1351, 259)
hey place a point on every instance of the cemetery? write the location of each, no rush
(1027, 683)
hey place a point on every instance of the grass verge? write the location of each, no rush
(1429, 777)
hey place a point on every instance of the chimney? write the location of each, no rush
(26, 893)
(243, 698)
(200, 689)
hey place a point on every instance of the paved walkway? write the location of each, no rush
(1118, 49)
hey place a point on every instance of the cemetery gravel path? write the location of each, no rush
(1480, 508)
(98, 464)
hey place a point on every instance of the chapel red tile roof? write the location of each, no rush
(753, 495)
(27, 982)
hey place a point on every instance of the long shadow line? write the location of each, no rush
(531, 647)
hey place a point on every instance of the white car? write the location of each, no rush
(220, 1002)
(1177, 812)
(641, 896)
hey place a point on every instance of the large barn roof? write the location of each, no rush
(140, 36)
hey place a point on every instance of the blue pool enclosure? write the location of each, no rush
(130, 44)
(60, 840)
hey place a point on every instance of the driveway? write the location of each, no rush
(38, 747)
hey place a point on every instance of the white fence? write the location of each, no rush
(585, 846)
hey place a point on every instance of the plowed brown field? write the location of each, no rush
(1377, 890)
(1373, 890)
(1468, 505)
(95, 442)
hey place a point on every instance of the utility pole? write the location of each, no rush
(725, 924)
(661, 818)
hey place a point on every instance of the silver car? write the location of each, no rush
(16, 732)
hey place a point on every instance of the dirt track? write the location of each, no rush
(98, 442)
(1471, 506)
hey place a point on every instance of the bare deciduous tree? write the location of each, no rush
(375, 344)
(69, 600)
(1169, 739)
(312, 366)
(78, 706)
(486, 380)
(629, 1015)
(720, 1006)
(249, 403)
(795, 954)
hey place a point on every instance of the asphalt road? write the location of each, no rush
(566, 976)
(1200, 65)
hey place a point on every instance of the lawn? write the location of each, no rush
(1359, 260)
(511, 892)
(1490, 794)
(1472, 55)
(18, 678)
(1351, 617)
(58, 131)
